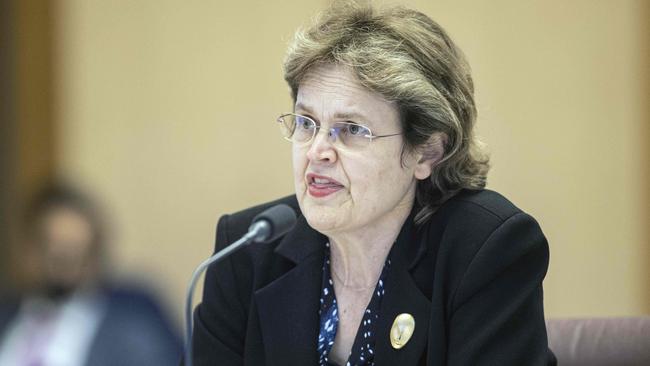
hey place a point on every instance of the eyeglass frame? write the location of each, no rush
(331, 130)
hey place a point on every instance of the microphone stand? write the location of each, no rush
(258, 229)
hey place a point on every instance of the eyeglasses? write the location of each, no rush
(302, 130)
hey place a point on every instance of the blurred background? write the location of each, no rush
(165, 111)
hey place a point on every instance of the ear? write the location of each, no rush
(430, 155)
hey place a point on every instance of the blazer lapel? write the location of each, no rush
(288, 306)
(403, 296)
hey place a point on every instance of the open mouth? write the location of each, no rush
(321, 186)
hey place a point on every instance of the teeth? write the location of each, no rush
(321, 181)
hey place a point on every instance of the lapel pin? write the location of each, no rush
(402, 330)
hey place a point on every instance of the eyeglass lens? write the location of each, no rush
(301, 129)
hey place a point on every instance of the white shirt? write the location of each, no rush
(52, 334)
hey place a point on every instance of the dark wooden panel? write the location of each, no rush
(28, 138)
(6, 131)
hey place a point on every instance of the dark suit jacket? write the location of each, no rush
(133, 331)
(471, 276)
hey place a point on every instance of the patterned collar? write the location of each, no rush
(363, 349)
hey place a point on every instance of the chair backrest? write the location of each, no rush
(600, 341)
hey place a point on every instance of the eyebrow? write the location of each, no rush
(338, 115)
(301, 106)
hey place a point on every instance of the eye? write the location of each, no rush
(304, 123)
(357, 130)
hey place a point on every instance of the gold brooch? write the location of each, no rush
(402, 330)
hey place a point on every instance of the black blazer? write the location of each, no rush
(471, 276)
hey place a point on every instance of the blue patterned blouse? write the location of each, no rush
(363, 349)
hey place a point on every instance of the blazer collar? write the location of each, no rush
(288, 306)
(301, 242)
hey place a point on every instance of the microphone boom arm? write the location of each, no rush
(259, 228)
(267, 226)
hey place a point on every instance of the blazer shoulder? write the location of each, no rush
(467, 221)
(481, 202)
(478, 234)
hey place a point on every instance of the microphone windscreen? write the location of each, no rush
(281, 218)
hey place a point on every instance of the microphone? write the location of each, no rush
(272, 223)
(265, 227)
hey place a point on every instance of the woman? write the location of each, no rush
(399, 256)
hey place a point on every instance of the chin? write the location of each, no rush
(321, 218)
(323, 224)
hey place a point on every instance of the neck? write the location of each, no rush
(357, 257)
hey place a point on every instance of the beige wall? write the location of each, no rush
(167, 111)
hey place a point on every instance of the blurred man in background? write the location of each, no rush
(71, 315)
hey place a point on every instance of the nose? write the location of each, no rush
(322, 148)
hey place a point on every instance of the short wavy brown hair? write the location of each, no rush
(408, 58)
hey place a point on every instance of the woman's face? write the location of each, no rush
(341, 189)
